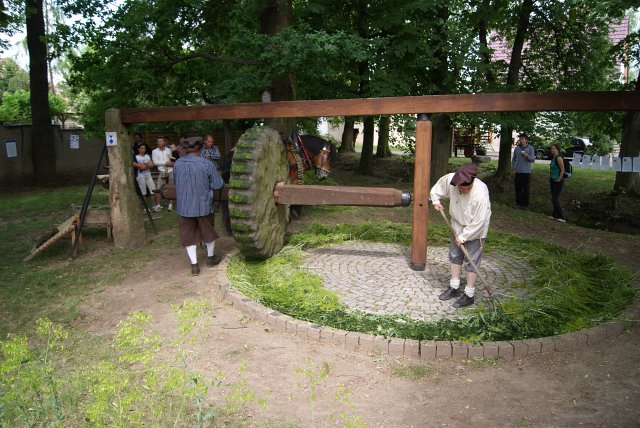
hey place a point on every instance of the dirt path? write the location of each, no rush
(597, 386)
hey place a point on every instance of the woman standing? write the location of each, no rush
(556, 180)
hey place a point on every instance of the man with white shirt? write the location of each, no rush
(470, 212)
(161, 158)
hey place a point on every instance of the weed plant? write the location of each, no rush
(134, 387)
(571, 290)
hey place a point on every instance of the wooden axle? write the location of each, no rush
(291, 194)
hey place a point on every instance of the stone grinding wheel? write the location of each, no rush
(257, 222)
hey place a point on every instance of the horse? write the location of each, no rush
(309, 151)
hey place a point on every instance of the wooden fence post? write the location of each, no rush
(421, 186)
(126, 209)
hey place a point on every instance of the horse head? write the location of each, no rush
(322, 162)
(320, 153)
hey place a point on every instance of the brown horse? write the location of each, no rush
(309, 151)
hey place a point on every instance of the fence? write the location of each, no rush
(607, 163)
(76, 155)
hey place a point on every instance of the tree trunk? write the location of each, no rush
(43, 148)
(629, 182)
(126, 214)
(504, 162)
(483, 36)
(440, 146)
(276, 16)
(383, 150)
(348, 145)
(366, 157)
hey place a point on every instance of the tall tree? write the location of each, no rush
(383, 150)
(276, 17)
(513, 75)
(43, 148)
(629, 182)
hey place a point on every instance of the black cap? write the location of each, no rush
(523, 134)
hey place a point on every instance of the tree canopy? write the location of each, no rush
(148, 53)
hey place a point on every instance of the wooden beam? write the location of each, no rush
(463, 103)
(421, 186)
(292, 194)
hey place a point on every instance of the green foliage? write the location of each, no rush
(572, 290)
(16, 106)
(135, 343)
(12, 77)
(312, 377)
(133, 388)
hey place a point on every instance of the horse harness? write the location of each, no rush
(300, 159)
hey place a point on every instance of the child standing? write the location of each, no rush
(143, 164)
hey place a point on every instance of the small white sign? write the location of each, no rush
(576, 160)
(626, 164)
(12, 149)
(74, 141)
(586, 161)
(636, 164)
(595, 162)
(616, 164)
(605, 165)
(111, 139)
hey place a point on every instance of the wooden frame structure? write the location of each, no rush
(423, 106)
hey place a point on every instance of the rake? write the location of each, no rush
(490, 298)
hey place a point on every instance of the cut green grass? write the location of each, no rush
(572, 290)
(412, 371)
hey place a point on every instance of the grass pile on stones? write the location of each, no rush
(571, 290)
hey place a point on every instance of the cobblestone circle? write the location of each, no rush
(376, 278)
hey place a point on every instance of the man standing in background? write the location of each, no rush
(523, 157)
(211, 152)
(162, 159)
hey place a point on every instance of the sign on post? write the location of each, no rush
(111, 139)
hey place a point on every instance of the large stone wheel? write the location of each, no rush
(259, 162)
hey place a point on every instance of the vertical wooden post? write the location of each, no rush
(126, 209)
(421, 186)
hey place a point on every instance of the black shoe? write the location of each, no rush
(213, 260)
(450, 293)
(195, 269)
(463, 301)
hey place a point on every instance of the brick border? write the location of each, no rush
(426, 350)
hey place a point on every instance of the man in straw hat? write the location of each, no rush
(196, 178)
(470, 212)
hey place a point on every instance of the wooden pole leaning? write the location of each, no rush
(421, 185)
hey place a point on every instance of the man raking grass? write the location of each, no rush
(470, 211)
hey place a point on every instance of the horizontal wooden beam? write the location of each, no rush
(291, 194)
(463, 103)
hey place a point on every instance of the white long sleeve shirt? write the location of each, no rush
(161, 158)
(470, 213)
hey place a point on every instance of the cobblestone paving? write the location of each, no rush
(376, 278)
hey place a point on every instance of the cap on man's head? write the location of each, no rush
(522, 134)
(191, 143)
(465, 174)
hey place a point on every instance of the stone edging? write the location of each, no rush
(426, 350)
